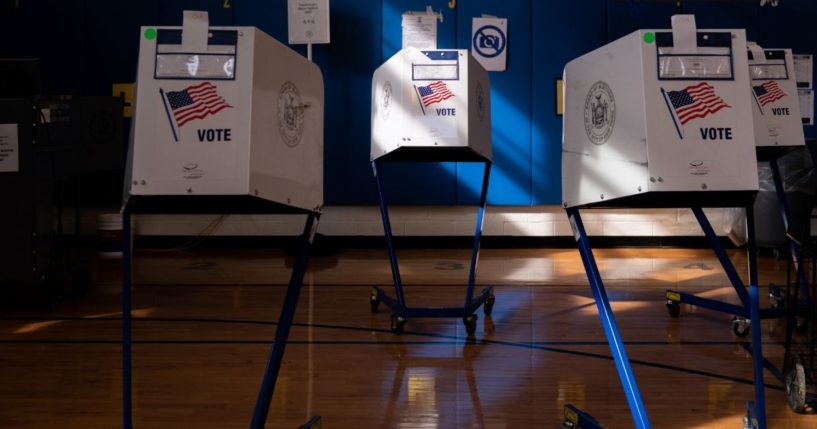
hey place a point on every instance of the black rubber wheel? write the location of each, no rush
(470, 324)
(741, 327)
(374, 303)
(795, 376)
(397, 324)
(488, 307)
(674, 309)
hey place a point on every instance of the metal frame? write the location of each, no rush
(675, 297)
(398, 305)
(578, 419)
(281, 334)
(751, 302)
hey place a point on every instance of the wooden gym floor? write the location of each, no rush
(205, 319)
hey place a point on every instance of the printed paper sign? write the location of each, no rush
(420, 30)
(308, 21)
(807, 105)
(9, 149)
(803, 70)
(489, 42)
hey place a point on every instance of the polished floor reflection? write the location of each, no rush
(204, 320)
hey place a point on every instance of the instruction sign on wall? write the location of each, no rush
(308, 21)
(9, 149)
(489, 42)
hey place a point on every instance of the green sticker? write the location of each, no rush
(150, 33)
(649, 37)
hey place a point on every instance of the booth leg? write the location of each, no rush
(259, 417)
(483, 199)
(754, 311)
(127, 403)
(794, 246)
(608, 322)
(384, 213)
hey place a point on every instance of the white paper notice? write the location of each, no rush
(489, 42)
(803, 70)
(308, 21)
(195, 31)
(807, 105)
(9, 149)
(684, 34)
(420, 30)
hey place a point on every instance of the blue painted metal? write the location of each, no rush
(398, 306)
(608, 322)
(127, 403)
(794, 245)
(472, 271)
(726, 263)
(313, 423)
(754, 311)
(259, 417)
(384, 213)
(578, 419)
(725, 307)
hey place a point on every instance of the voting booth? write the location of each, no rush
(775, 107)
(663, 118)
(431, 105)
(226, 112)
(226, 120)
(431, 102)
(657, 115)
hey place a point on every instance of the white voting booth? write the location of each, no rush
(438, 99)
(226, 111)
(658, 112)
(227, 120)
(431, 105)
(775, 107)
(663, 118)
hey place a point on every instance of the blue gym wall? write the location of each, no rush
(86, 45)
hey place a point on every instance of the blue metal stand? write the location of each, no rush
(675, 298)
(794, 246)
(750, 299)
(259, 416)
(127, 247)
(401, 311)
(282, 332)
(578, 419)
(608, 322)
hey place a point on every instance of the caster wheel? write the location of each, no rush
(374, 303)
(470, 324)
(741, 327)
(795, 384)
(397, 324)
(488, 307)
(674, 309)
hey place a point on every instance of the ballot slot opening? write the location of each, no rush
(217, 63)
(711, 61)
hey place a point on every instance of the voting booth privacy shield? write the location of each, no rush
(663, 118)
(775, 103)
(658, 113)
(436, 99)
(226, 111)
(227, 120)
(431, 105)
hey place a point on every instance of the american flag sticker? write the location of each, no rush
(691, 103)
(768, 92)
(434, 93)
(194, 102)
